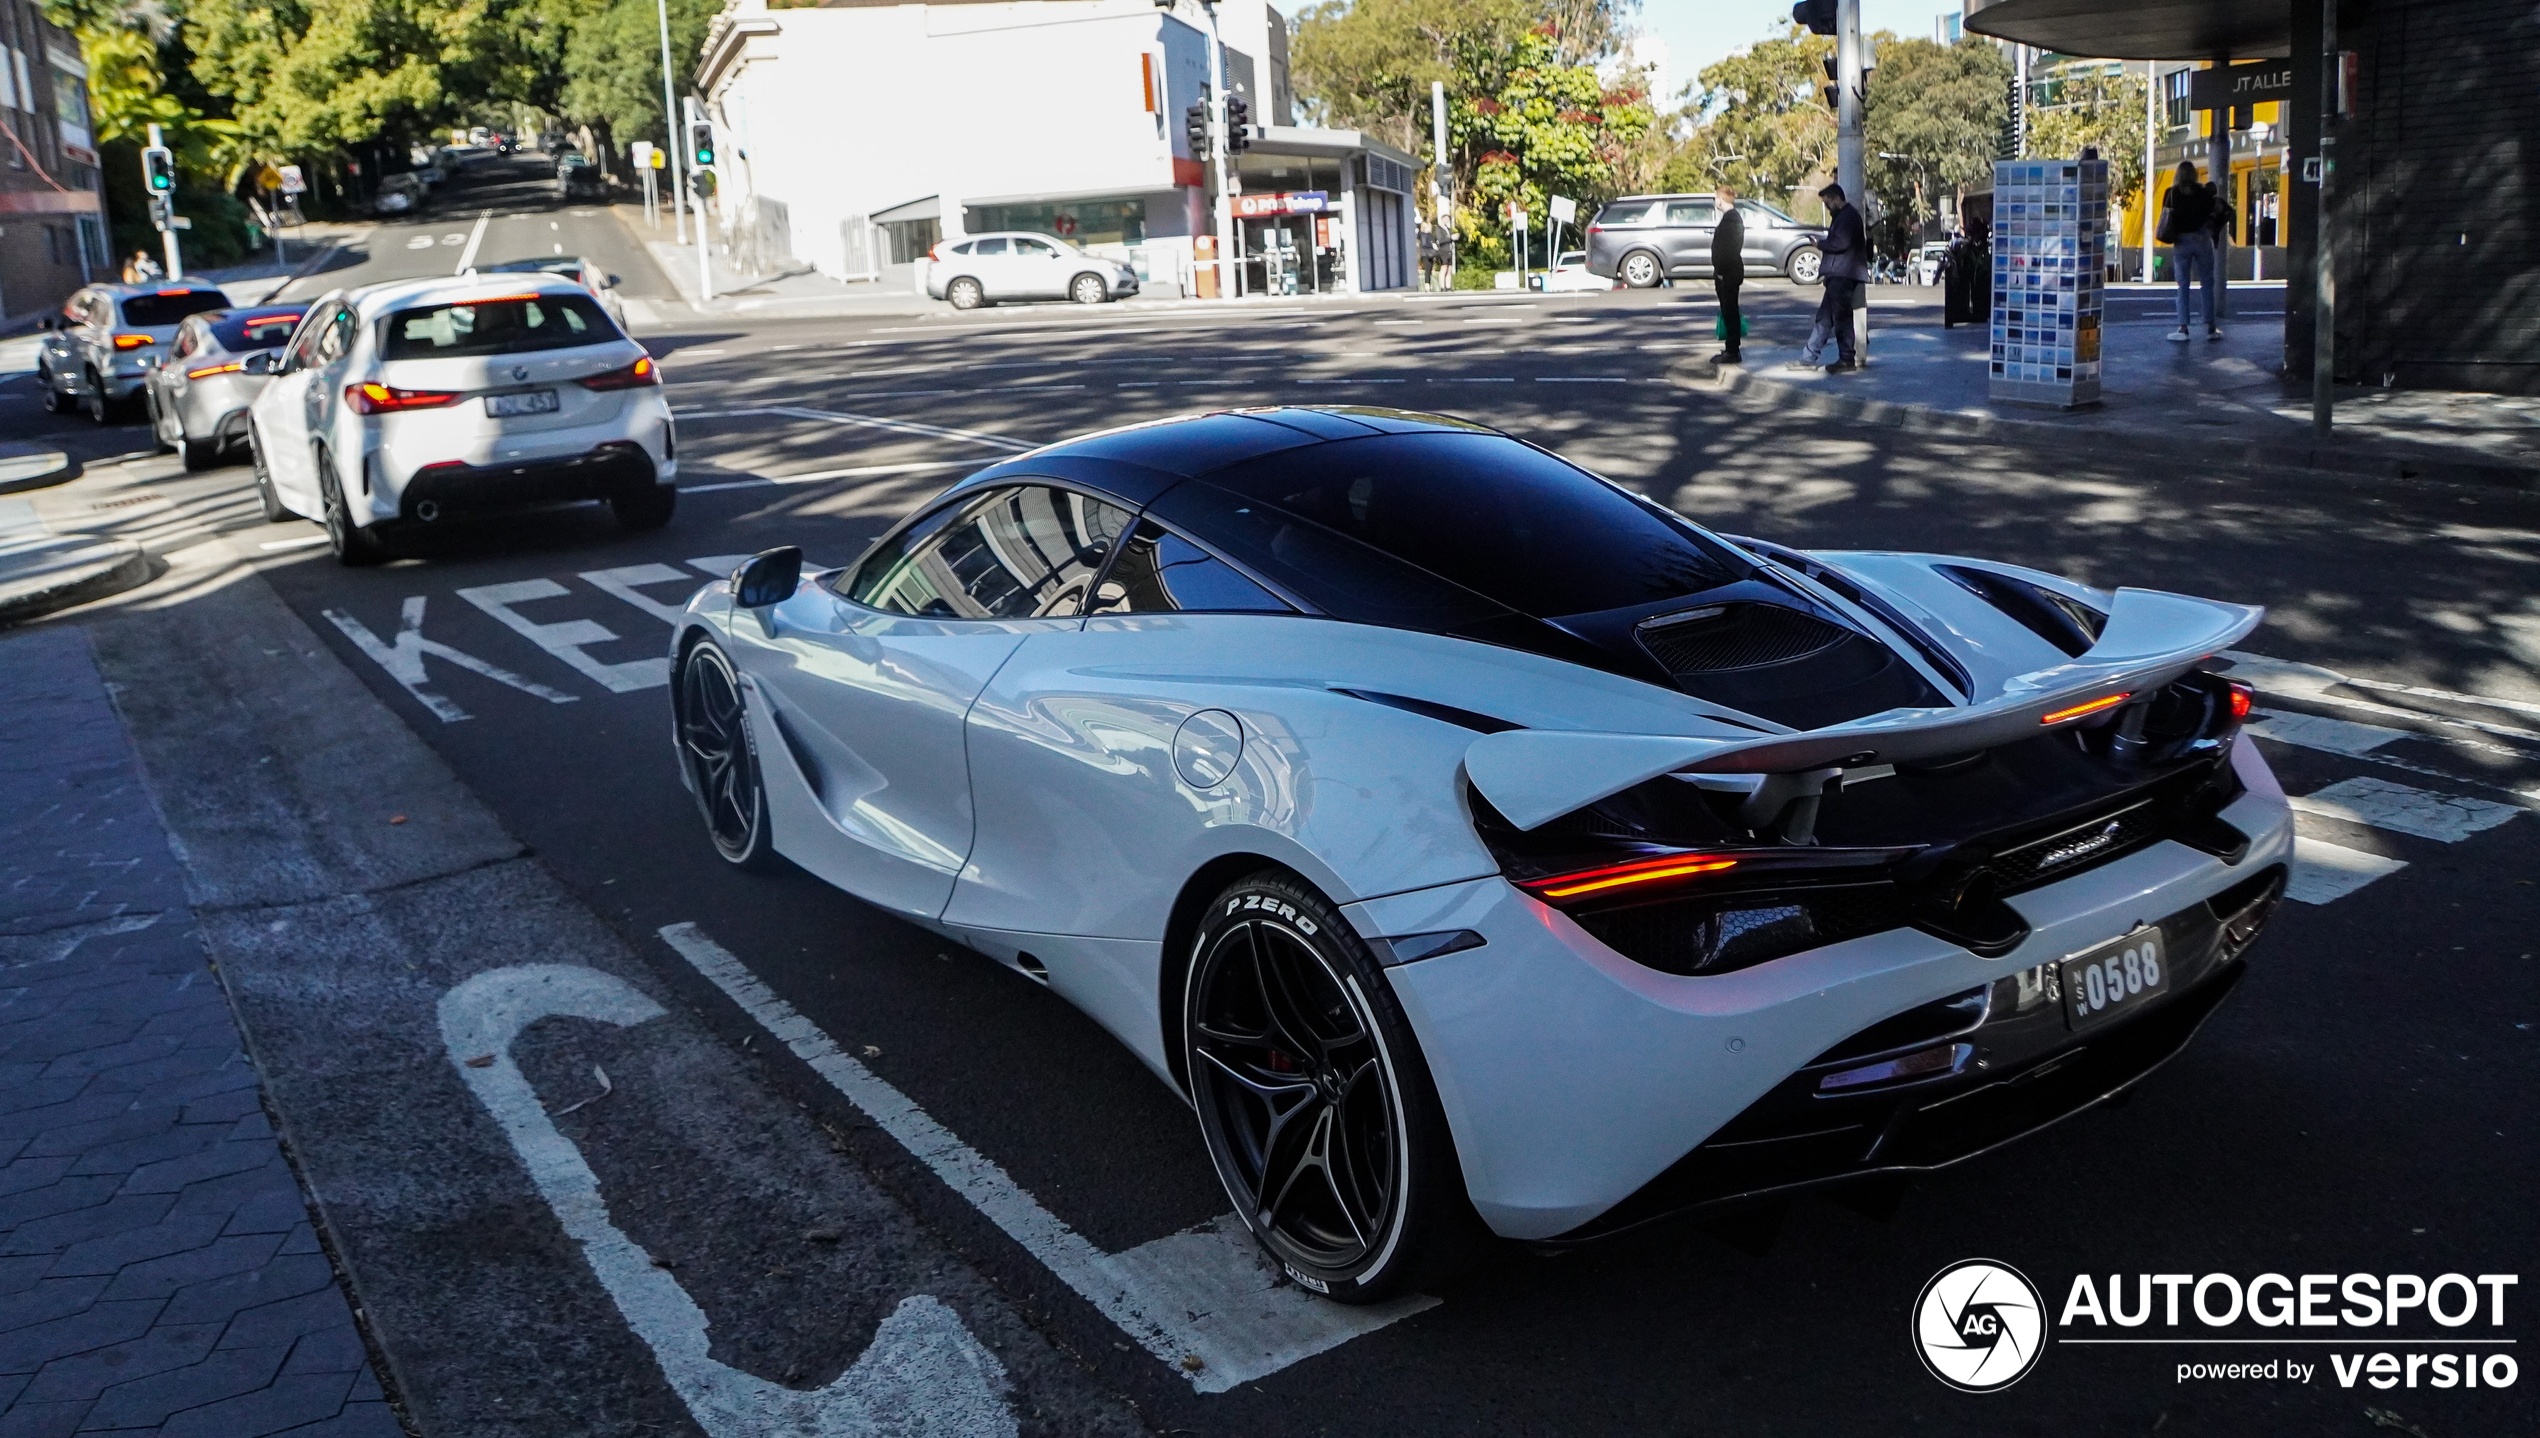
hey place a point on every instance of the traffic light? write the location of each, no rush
(701, 143)
(162, 209)
(1195, 127)
(1832, 95)
(1238, 121)
(1817, 15)
(158, 170)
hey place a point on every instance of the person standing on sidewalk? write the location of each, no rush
(2187, 220)
(1846, 265)
(1728, 271)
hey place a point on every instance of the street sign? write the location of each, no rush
(2238, 87)
(292, 183)
(268, 178)
(1565, 210)
(642, 153)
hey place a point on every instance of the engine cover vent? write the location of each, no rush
(1735, 636)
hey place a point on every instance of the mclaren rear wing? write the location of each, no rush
(2151, 638)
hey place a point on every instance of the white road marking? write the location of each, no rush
(419, 242)
(1204, 1293)
(2323, 872)
(2311, 682)
(1494, 322)
(903, 426)
(454, 239)
(2312, 731)
(922, 1374)
(1411, 323)
(623, 582)
(720, 566)
(566, 637)
(475, 237)
(404, 660)
(692, 354)
(1353, 381)
(2400, 809)
(1584, 379)
(1474, 379)
(865, 471)
(303, 542)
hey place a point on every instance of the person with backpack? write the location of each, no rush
(2188, 217)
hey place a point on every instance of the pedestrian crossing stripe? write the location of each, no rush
(2381, 804)
(2324, 872)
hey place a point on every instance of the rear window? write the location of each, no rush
(515, 325)
(264, 330)
(1628, 212)
(1491, 515)
(147, 312)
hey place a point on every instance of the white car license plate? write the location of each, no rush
(2120, 976)
(536, 401)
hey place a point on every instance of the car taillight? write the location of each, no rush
(1596, 229)
(132, 342)
(372, 397)
(2242, 699)
(2080, 710)
(936, 253)
(207, 371)
(1620, 876)
(633, 376)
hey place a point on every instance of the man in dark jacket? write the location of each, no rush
(1846, 266)
(1728, 270)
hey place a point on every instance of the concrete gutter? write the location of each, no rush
(41, 571)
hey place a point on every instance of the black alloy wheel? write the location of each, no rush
(1313, 1099)
(722, 759)
(355, 545)
(267, 499)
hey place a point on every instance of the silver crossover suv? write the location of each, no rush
(101, 349)
(1646, 239)
(1014, 265)
(198, 394)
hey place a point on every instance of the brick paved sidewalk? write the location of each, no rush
(158, 1273)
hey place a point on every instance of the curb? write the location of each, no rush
(1754, 391)
(68, 569)
(33, 466)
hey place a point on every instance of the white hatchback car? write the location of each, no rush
(399, 405)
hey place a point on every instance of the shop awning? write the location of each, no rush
(2145, 29)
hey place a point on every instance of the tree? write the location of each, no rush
(1937, 107)
(2087, 108)
(1762, 126)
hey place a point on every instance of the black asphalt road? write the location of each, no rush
(2360, 1106)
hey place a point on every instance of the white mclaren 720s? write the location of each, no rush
(1480, 847)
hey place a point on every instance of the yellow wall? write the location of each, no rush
(2270, 112)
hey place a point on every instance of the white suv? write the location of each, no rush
(404, 404)
(1016, 265)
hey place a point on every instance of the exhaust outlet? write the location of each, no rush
(428, 511)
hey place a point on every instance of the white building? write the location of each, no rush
(856, 134)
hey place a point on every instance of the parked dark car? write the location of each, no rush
(1645, 239)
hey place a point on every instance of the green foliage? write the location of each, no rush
(2094, 108)
(1537, 129)
(1938, 106)
(1763, 127)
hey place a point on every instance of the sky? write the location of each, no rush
(1683, 36)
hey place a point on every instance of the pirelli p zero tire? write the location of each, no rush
(1640, 270)
(721, 757)
(1313, 1098)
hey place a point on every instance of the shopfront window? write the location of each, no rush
(1079, 222)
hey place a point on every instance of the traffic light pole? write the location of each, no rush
(1220, 155)
(1850, 165)
(669, 108)
(158, 176)
(705, 248)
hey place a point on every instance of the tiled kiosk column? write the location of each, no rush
(2050, 259)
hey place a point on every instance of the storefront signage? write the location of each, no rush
(2238, 85)
(1296, 202)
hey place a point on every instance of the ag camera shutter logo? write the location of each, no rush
(1979, 1325)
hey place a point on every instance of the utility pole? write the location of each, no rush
(2151, 157)
(669, 109)
(2323, 252)
(1850, 164)
(1220, 155)
(1437, 183)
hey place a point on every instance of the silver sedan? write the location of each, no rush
(198, 395)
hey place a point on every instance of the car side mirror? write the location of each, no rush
(614, 281)
(261, 362)
(49, 323)
(768, 577)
